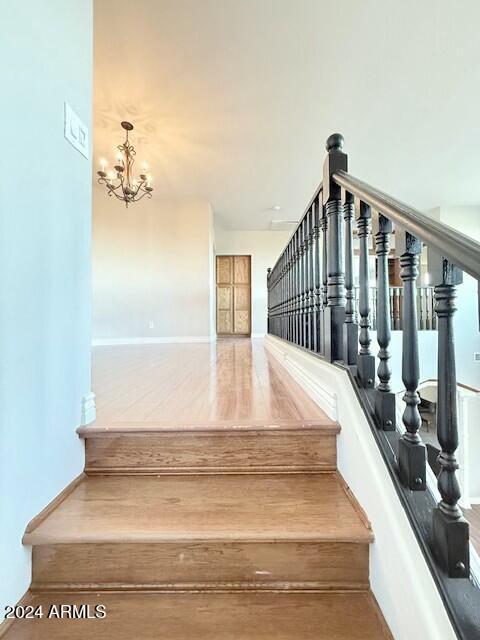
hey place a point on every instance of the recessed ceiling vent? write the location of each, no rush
(283, 225)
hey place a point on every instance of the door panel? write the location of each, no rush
(233, 295)
(224, 321)
(224, 269)
(242, 298)
(224, 297)
(242, 322)
(241, 268)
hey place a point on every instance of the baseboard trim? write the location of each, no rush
(298, 365)
(89, 411)
(112, 342)
(46, 511)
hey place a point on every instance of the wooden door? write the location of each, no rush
(233, 296)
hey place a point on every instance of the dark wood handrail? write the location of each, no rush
(455, 246)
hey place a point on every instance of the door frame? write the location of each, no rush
(234, 335)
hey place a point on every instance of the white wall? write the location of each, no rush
(264, 247)
(45, 214)
(152, 263)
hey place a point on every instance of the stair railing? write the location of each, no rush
(425, 305)
(312, 302)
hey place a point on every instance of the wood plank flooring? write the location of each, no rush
(230, 380)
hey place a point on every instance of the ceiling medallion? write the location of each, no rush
(120, 182)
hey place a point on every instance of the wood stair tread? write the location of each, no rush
(96, 430)
(175, 508)
(212, 616)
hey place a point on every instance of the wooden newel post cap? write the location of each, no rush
(335, 160)
(335, 142)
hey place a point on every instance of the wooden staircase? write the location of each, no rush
(206, 531)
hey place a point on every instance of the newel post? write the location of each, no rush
(411, 452)
(450, 529)
(334, 314)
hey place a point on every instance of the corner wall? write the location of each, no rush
(45, 214)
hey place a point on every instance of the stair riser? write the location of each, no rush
(211, 452)
(170, 566)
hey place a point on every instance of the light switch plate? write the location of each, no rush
(76, 132)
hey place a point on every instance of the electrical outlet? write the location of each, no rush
(476, 356)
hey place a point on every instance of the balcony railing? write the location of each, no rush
(426, 317)
(313, 303)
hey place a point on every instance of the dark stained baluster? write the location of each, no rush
(310, 279)
(365, 359)
(269, 295)
(373, 308)
(284, 295)
(301, 284)
(324, 247)
(306, 283)
(428, 304)
(292, 290)
(421, 320)
(384, 398)
(397, 325)
(411, 453)
(297, 286)
(334, 315)
(317, 274)
(277, 299)
(450, 529)
(392, 316)
(288, 291)
(350, 334)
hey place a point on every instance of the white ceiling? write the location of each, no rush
(232, 100)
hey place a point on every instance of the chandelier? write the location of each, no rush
(120, 182)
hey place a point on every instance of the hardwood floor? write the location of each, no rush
(210, 508)
(230, 380)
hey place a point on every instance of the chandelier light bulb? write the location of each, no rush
(121, 182)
